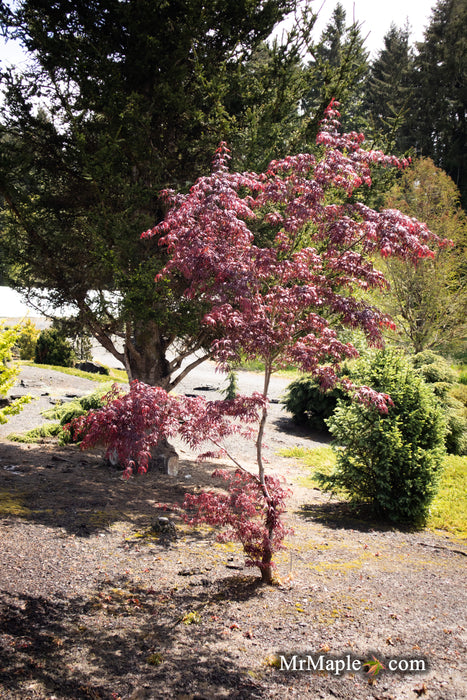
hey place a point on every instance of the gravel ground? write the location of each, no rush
(97, 604)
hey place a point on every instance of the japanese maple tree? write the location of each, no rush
(283, 302)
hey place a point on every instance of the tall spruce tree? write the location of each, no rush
(120, 100)
(439, 105)
(338, 68)
(388, 93)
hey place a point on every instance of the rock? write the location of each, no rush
(93, 367)
(165, 528)
(165, 459)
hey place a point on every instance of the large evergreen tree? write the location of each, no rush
(388, 92)
(439, 105)
(337, 69)
(121, 99)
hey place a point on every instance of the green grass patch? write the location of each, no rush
(258, 366)
(321, 459)
(115, 375)
(449, 508)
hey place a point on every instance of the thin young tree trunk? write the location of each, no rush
(262, 425)
(266, 561)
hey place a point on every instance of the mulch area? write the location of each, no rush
(97, 600)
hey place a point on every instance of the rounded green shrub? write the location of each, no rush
(391, 461)
(434, 368)
(52, 348)
(456, 421)
(309, 404)
(442, 379)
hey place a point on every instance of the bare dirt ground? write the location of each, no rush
(95, 602)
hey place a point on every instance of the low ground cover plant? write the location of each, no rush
(60, 416)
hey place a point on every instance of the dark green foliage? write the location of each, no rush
(391, 461)
(231, 390)
(124, 100)
(309, 404)
(387, 89)
(437, 116)
(52, 348)
(338, 69)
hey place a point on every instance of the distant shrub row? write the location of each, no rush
(52, 346)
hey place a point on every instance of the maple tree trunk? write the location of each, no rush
(266, 561)
(262, 425)
(266, 568)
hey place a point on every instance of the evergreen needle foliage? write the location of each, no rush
(391, 461)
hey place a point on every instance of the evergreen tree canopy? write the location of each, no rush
(439, 105)
(121, 99)
(388, 88)
(338, 68)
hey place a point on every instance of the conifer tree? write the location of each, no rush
(438, 110)
(388, 93)
(120, 100)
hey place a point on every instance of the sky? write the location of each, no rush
(376, 17)
(12, 305)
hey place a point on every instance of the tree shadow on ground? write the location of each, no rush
(83, 494)
(285, 424)
(340, 515)
(141, 640)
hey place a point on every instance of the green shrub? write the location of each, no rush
(52, 348)
(28, 334)
(391, 461)
(434, 368)
(65, 412)
(443, 381)
(426, 357)
(456, 422)
(37, 434)
(309, 404)
(8, 374)
(459, 392)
